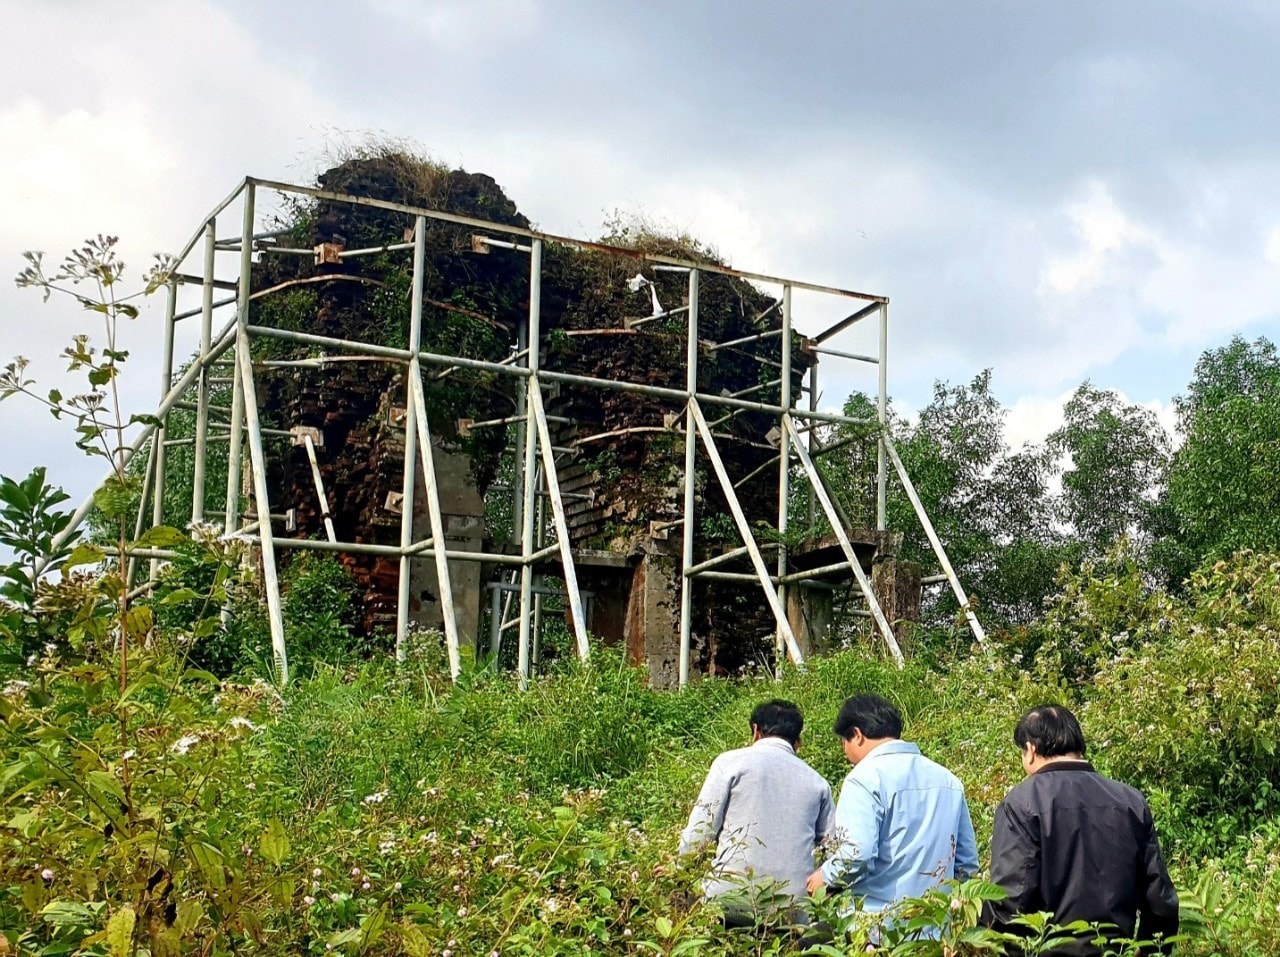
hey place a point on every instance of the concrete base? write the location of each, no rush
(810, 613)
(652, 625)
(896, 585)
(463, 514)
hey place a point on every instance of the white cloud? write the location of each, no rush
(459, 22)
(1105, 233)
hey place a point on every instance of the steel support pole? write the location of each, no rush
(531, 386)
(144, 436)
(495, 625)
(139, 525)
(436, 517)
(690, 461)
(882, 402)
(784, 469)
(956, 588)
(744, 529)
(809, 434)
(231, 510)
(833, 515)
(562, 528)
(257, 453)
(410, 440)
(166, 384)
(517, 486)
(320, 493)
(202, 387)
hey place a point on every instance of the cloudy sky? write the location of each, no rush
(1058, 191)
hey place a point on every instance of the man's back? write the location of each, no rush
(1082, 846)
(767, 810)
(904, 826)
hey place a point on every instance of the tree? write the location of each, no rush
(992, 507)
(1223, 493)
(1118, 454)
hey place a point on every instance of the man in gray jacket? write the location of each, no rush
(767, 811)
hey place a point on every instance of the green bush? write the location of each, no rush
(1194, 714)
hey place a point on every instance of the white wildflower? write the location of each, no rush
(239, 722)
(183, 744)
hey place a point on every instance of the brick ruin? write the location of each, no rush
(622, 468)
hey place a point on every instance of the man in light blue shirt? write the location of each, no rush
(766, 811)
(902, 825)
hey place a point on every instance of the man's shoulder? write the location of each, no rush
(931, 772)
(1078, 780)
(732, 757)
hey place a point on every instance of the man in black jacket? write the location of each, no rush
(1082, 846)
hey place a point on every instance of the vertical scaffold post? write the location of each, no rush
(410, 441)
(426, 454)
(882, 400)
(140, 520)
(162, 431)
(257, 453)
(202, 387)
(784, 472)
(810, 441)
(690, 457)
(533, 337)
(235, 445)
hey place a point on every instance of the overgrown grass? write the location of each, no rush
(382, 809)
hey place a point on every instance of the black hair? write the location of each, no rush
(778, 719)
(874, 716)
(1052, 729)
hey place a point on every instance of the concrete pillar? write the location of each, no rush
(463, 510)
(810, 612)
(897, 588)
(653, 619)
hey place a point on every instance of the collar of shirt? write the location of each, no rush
(1065, 764)
(774, 742)
(896, 746)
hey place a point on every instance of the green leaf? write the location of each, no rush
(112, 498)
(84, 554)
(178, 596)
(372, 928)
(138, 621)
(104, 782)
(162, 536)
(209, 859)
(68, 914)
(189, 914)
(663, 926)
(120, 932)
(344, 937)
(274, 843)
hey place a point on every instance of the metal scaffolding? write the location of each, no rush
(536, 478)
